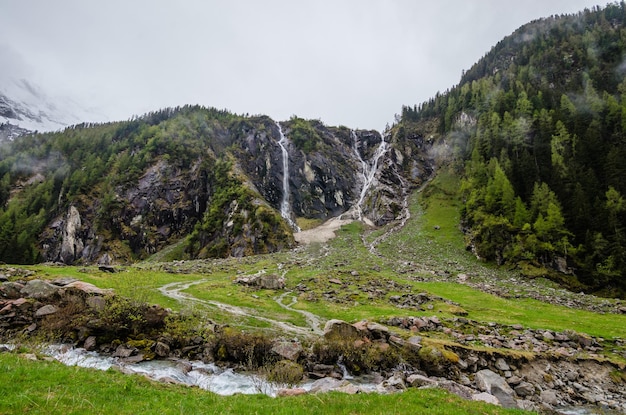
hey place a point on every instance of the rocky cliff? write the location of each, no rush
(209, 181)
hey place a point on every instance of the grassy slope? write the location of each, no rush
(52, 388)
(416, 259)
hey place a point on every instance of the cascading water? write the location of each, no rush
(368, 170)
(285, 206)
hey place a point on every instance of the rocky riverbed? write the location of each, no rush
(510, 366)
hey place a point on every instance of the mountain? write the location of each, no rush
(204, 182)
(24, 107)
(537, 130)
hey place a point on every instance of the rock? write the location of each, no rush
(71, 244)
(155, 316)
(485, 397)
(96, 303)
(162, 349)
(39, 289)
(549, 397)
(392, 385)
(456, 388)
(90, 343)
(3, 278)
(525, 389)
(291, 392)
(506, 399)
(46, 310)
(11, 290)
(123, 351)
(63, 281)
(514, 380)
(88, 288)
(502, 365)
(107, 268)
(288, 350)
(340, 330)
(262, 281)
(325, 385)
(486, 380)
(335, 281)
(378, 331)
(418, 381)
(139, 357)
(349, 389)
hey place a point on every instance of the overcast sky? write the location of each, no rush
(346, 62)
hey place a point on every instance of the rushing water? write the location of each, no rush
(285, 205)
(368, 170)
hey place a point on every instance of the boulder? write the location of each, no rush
(38, 289)
(288, 350)
(96, 303)
(378, 331)
(340, 329)
(162, 349)
(262, 281)
(392, 385)
(525, 389)
(87, 288)
(486, 380)
(325, 385)
(90, 343)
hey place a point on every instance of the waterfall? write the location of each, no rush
(285, 206)
(368, 170)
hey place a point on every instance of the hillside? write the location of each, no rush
(211, 181)
(536, 128)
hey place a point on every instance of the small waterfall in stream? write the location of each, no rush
(285, 206)
(368, 170)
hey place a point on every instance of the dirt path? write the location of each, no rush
(312, 320)
(175, 290)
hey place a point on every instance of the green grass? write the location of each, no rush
(528, 312)
(51, 388)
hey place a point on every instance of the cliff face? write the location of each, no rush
(213, 184)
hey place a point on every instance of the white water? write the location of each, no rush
(191, 373)
(285, 206)
(368, 170)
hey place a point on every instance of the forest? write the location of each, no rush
(538, 129)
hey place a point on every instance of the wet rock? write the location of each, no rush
(392, 385)
(123, 351)
(162, 349)
(90, 343)
(325, 385)
(39, 289)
